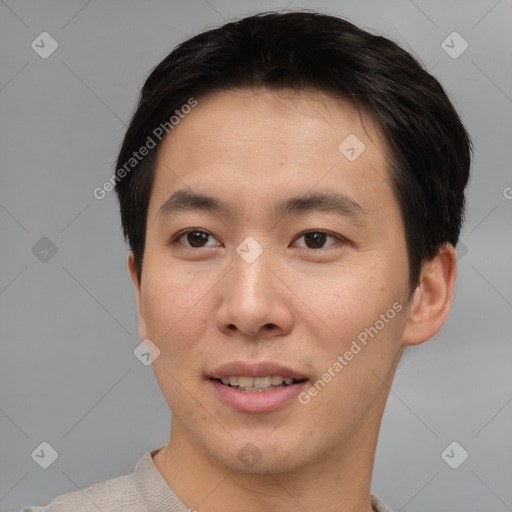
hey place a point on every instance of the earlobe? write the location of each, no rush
(132, 269)
(432, 299)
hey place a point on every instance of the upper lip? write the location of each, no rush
(260, 369)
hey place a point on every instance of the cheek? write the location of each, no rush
(348, 297)
(176, 308)
(354, 370)
(355, 332)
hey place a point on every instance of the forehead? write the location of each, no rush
(307, 118)
(241, 142)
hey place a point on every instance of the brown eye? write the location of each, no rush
(196, 238)
(193, 239)
(317, 239)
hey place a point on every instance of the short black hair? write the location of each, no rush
(429, 148)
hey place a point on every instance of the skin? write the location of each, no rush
(205, 306)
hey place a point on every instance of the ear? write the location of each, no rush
(143, 332)
(432, 299)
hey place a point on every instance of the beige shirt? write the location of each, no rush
(144, 490)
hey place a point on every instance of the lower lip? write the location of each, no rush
(257, 401)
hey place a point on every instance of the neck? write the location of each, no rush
(337, 480)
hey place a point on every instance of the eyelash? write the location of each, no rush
(176, 239)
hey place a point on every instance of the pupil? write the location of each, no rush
(195, 238)
(317, 239)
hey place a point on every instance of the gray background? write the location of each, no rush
(68, 375)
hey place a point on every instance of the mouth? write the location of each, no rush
(256, 388)
(257, 384)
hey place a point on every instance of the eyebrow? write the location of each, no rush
(332, 202)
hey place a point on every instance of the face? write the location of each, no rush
(294, 266)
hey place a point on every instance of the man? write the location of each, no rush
(292, 190)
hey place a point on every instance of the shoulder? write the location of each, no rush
(377, 505)
(115, 494)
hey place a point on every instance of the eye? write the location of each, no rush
(196, 239)
(192, 238)
(317, 239)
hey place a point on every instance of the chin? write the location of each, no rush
(261, 456)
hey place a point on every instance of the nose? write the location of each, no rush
(255, 301)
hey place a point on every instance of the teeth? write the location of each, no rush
(276, 380)
(245, 382)
(262, 382)
(256, 382)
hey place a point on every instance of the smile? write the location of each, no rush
(257, 384)
(253, 399)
